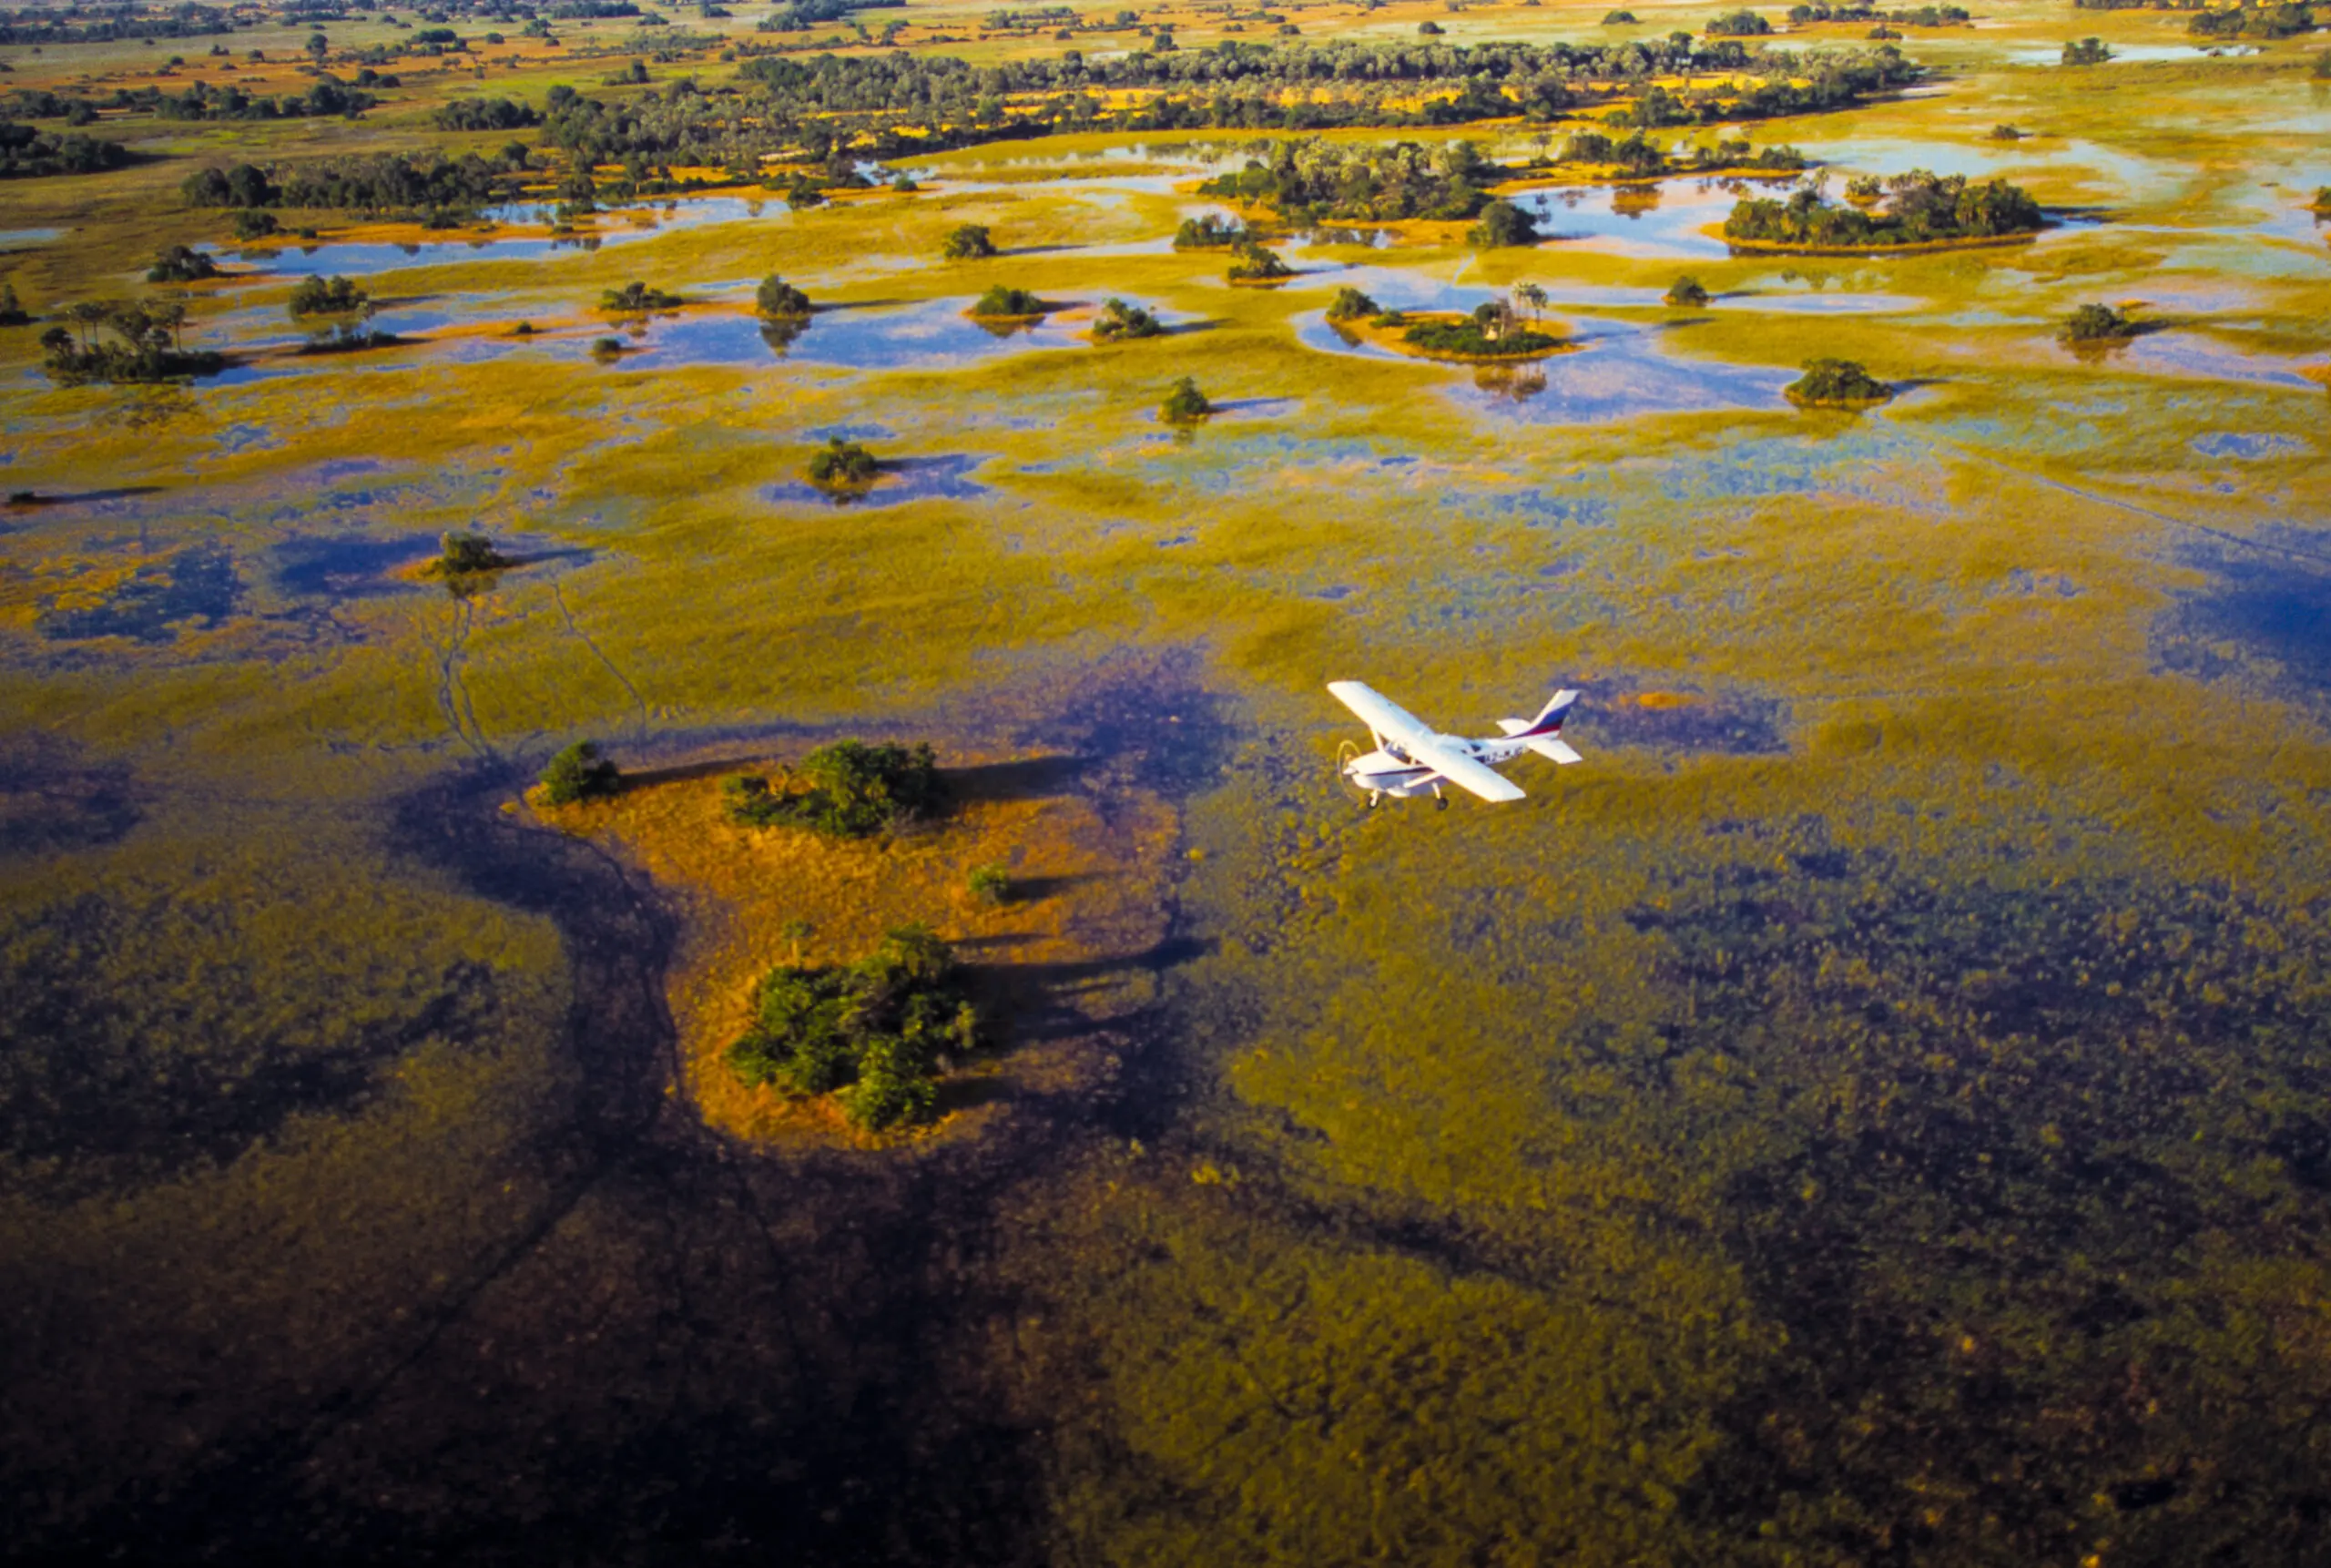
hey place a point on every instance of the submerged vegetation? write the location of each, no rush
(848, 789)
(876, 1035)
(1919, 209)
(1836, 383)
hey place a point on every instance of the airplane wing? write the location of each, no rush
(1379, 712)
(1467, 774)
(1390, 720)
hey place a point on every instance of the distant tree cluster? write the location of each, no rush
(1254, 263)
(1921, 16)
(636, 299)
(1119, 321)
(2086, 51)
(485, 114)
(1637, 156)
(1184, 404)
(1836, 383)
(1503, 224)
(1687, 293)
(462, 555)
(848, 789)
(1492, 331)
(1920, 207)
(181, 264)
(26, 152)
(328, 97)
(107, 23)
(327, 297)
(144, 345)
(1312, 180)
(12, 309)
(1741, 24)
(369, 182)
(876, 1035)
(2248, 20)
(1208, 232)
(1351, 305)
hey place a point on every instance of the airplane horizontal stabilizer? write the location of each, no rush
(1556, 751)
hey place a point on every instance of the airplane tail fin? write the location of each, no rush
(1549, 721)
(1544, 733)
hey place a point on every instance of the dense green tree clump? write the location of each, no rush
(1119, 321)
(972, 242)
(1002, 302)
(26, 152)
(1184, 404)
(146, 345)
(1741, 24)
(1350, 305)
(181, 264)
(780, 300)
(1637, 156)
(1492, 331)
(845, 790)
(1619, 19)
(1311, 179)
(1208, 232)
(876, 1035)
(327, 296)
(2086, 51)
(1836, 383)
(579, 773)
(348, 338)
(466, 555)
(1502, 225)
(1921, 16)
(841, 463)
(328, 97)
(12, 309)
(1687, 293)
(485, 114)
(1254, 263)
(2099, 324)
(1919, 209)
(635, 299)
(2252, 20)
(387, 182)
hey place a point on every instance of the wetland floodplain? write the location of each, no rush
(1877, 1111)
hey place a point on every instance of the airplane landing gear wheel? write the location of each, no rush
(1439, 801)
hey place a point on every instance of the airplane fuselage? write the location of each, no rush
(1390, 770)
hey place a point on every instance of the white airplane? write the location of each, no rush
(1412, 756)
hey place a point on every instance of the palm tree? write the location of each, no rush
(1532, 296)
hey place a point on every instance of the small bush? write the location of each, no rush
(2006, 133)
(846, 790)
(969, 243)
(607, 348)
(1836, 382)
(1350, 305)
(989, 884)
(633, 299)
(179, 264)
(1687, 293)
(579, 773)
(254, 223)
(2086, 51)
(12, 309)
(1120, 323)
(1007, 303)
(1503, 224)
(326, 297)
(2098, 324)
(779, 300)
(1252, 263)
(1184, 404)
(1618, 19)
(1429, 29)
(1479, 336)
(876, 1035)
